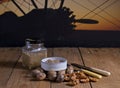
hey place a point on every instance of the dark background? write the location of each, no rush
(54, 28)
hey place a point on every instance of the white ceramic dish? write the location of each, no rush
(62, 65)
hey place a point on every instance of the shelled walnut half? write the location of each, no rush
(78, 77)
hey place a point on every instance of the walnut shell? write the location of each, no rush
(35, 72)
(41, 76)
(70, 69)
(52, 75)
(60, 78)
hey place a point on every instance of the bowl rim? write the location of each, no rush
(53, 58)
(62, 65)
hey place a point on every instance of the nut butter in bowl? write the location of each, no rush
(54, 63)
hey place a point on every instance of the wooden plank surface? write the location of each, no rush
(13, 75)
(106, 59)
(8, 59)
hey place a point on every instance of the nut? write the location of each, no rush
(60, 78)
(73, 76)
(35, 72)
(81, 75)
(62, 72)
(70, 69)
(84, 80)
(52, 75)
(73, 83)
(40, 69)
(67, 77)
(41, 76)
(92, 79)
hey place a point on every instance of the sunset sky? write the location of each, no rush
(105, 11)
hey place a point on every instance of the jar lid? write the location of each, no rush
(32, 46)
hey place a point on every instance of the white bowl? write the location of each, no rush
(62, 65)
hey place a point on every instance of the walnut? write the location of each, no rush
(41, 76)
(73, 82)
(81, 75)
(92, 79)
(67, 77)
(35, 72)
(38, 74)
(73, 76)
(70, 69)
(60, 78)
(40, 69)
(84, 80)
(52, 75)
(62, 72)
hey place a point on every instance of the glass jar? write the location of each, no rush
(32, 54)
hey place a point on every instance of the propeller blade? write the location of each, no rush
(87, 21)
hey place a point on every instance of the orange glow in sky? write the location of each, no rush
(105, 11)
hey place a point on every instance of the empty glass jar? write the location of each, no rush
(32, 54)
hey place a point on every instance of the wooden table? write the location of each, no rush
(13, 75)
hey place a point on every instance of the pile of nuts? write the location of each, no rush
(69, 75)
(78, 77)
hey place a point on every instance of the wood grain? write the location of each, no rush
(106, 59)
(13, 75)
(8, 59)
